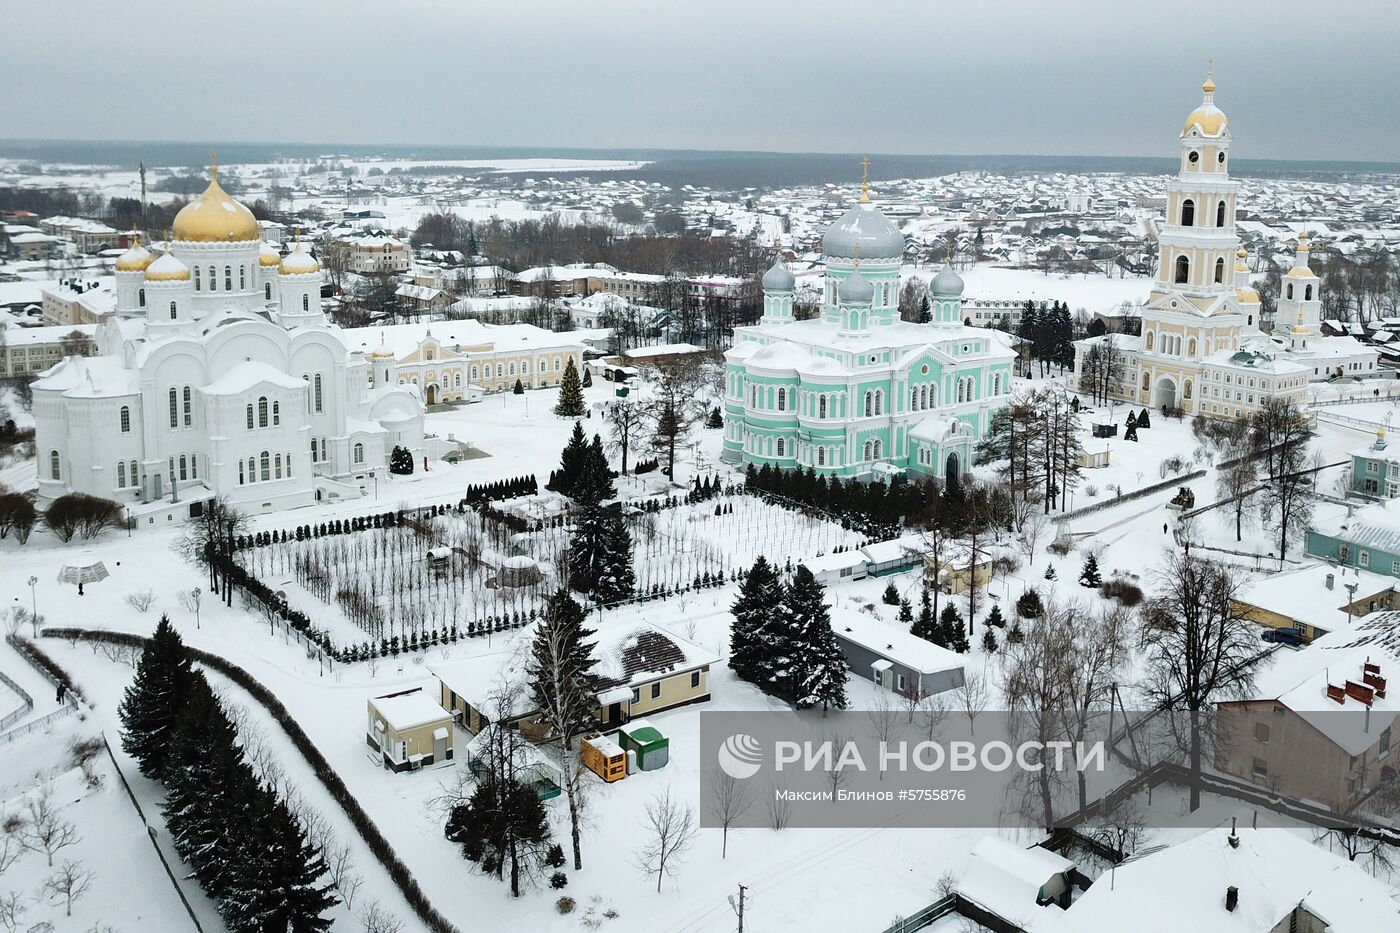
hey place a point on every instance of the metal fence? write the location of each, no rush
(27, 703)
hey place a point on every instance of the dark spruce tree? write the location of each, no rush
(906, 614)
(282, 883)
(927, 626)
(594, 482)
(814, 656)
(1089, 577)
(502, 823)
(600, 555)
(751, 637)
(716, 418)
(951, 623)
(587, 378)
(151, 709)
(570, 404)
(891, 595)
(401, 461)
(995, 618)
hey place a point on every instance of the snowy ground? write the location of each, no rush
(851, 879)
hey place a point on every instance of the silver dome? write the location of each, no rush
(855, 290)
(946, 284)
(779, 277)
(863, 233)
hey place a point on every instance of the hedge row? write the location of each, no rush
(334, 785)
(36, 655)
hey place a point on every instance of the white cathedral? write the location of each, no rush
(218, 375)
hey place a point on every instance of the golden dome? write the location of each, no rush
(298, 262)
(382, 352)
(1303, 242)
(167, 269)
(214, 217)
(1210, 118)
(1247, 296)
(1242, 253)
(135, 259)
(267, 256)
(1301, 272)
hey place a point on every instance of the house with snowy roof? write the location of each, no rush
(1318, 723)
(642, 669)
(893, 658)
(1315, 599)
(1367, 537)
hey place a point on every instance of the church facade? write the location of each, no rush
(1202, 349)
(856, 391)
(218, 375)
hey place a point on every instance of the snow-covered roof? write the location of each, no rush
(27, 336)
(90, 377)
(1376, 525)
(893, 642)
(409, 710)
(663, 349)
(1303, 594)
(1183, 887)
(1006, 878)
(829, 563)
(249, 373)
(884, 551)
(403, 339)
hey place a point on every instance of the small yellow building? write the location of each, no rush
(409, 730)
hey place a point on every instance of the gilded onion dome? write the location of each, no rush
(268, 257)
(298, 262)
(1210, 119)
(135, 259)
(215, 217)
(167, 269)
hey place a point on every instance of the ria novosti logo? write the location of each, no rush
(740, 756)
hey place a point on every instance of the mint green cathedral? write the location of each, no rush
(856, 391)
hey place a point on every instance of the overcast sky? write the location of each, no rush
(1112, 77)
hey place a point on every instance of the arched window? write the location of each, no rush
(266, 466)
(188, 406)
(1186, 389)
(821, 406)
(1183, 270)
(306, 304)
(313, 451)
(878, 448)
(267, 292)
(782, 402)
(173, 312)
(288, 461)
(196, 278)
(1219, 271)
(125, 416)
(240, 473)
(277, 464)
(869, 450)
(213, 279)
(250, 417)
(121, 474)
(1307, 293)
(141, 297)
(194, 466)
(557, 365)
(131, 472)
(1188, 213)
(262, 412)
(1290, 291)
(323, 448)
(359, 453)
(879, 400)
(913, 398)
(1146, 380)
(821, 456)
(54, 472)
(1220, 214)
(228, 278)
(242, 280)
(276, 414)
(869, 404)
(174, 409)
(184, 467)
(318, 392)
(782, 447)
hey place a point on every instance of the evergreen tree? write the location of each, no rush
(989, 640)
(906, 613)
(716, 419)
(570, 404)
(1050, 573)
(502, 822)
(816, 665)
(401, 461)
(594, 482)
(587, 378)
(927, 627)
(995, 618)
(151, 709)
(280, 882)
(1029, 606)
(1132, 419)
(519, 387)
(755, 609)
(951, 624)
(891, 595)
(600, 555)
(562, 679)
(1090, 576)
(571, 461)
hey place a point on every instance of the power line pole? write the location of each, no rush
(739, 906)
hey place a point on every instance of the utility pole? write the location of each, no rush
(738, 906)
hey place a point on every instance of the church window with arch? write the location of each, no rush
(124, 416)
(265, 465)
(1220, 214)
(267, 291)
(1188, 213)
(1219, 271)
(228, 278)
(187, 403)
(196, 278)
(213, 279)
(1183, 270)
(54, 465)
(173, 312)
(141, 297)
(358, 453)
(306, 305)
(242, 278)
(262, 412)
(174, 408)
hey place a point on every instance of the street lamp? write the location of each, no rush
(33, 599)
(196, 593)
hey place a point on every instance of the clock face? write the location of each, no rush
(1194, 157)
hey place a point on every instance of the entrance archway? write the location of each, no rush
(1166, 393)
(952, 474)
(432, 394)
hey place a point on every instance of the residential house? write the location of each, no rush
(409, 730)
(1317, 723)
(31, 350)
(891, 657)
(1375, 470)
(1367, 537)
(1316, 599)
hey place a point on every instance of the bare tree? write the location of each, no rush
(189, 601)
(141, 600)
(883, 719)
(1033, 527)
(1098, 644)
(1235, 482)
(209, 539)
(779, 808)
(1289, 498)
(70, 882)
(671, 829)
(627, 423)
(933, 713)
(376, 919)
(10, 847)
(971, 697)
(1201, 649)
(676, 410)
(43, 829)
(12, 908)
(1122, 828)
(729, 800)
(1037, 686)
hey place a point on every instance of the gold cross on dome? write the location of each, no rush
(865, 180)
(213, 165)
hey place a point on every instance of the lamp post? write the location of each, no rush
(33, 598)
(196, 593)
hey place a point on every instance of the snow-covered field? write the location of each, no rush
(848, 878)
